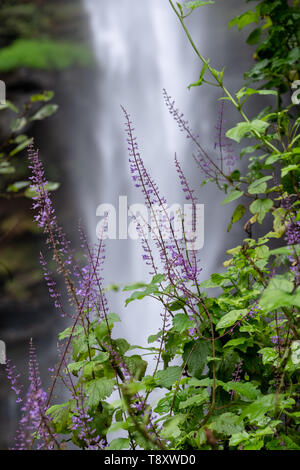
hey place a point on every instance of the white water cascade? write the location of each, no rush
(141, 49)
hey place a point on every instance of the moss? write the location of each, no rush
(44, 55)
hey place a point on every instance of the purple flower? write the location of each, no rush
(13, 378)
(34, 425)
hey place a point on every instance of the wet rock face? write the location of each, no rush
(25, 308)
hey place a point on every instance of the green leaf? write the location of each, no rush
(15, 187)
(6, 169)
(273, 158)
(121, 344)
(254, 444)
(254, 37)
(68, 331)
(177, 305)
(237, 215)
(20, 147)
(269, 355)
(196, 4)
(259, 186)
(295, 349)
(243, 128)
(181, 322)
(238, 437)
(196, 400)
(196, 354)
(171, 428)
(261, 207)
(75, 367)
(9, 105)
(243, 20)
(136, 365)
(45, 96)
(227, 424)
(251, 91)
(120, 443)
(32, 192)
(167, 377)
(137, 285)
(205, 382)
(278, 294)
(287, 169)
(139, 295)
(44, 112)
(241, 343)
(247, 389)
(232, 196)
(153, 338)
(200, 81)
(60, 416)
(231, 318)
(157, 279)
(256, 411)
(98, 390)
(18, 124)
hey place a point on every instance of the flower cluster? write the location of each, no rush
(34, 426)
(13, 379)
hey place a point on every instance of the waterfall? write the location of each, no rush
(141, 49)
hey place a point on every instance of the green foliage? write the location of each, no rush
(276, 35)
(228, 362)
(44, 55)
(17, 141)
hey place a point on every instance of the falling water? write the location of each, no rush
(141, 49)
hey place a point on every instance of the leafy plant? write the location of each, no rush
(234, 337)
(43, 54)
(36, 109)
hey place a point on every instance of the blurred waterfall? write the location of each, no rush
(141, 49)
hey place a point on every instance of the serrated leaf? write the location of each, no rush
(231, 318)
(196, 354)
(167, 377)
(59, 416)
(196, 400)
(256, 411)
(136, 365)
(98, 390)
(68, 331)
(247, 389)
(181, 322)
(227, 424)
(120, 443)
(170, 428)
